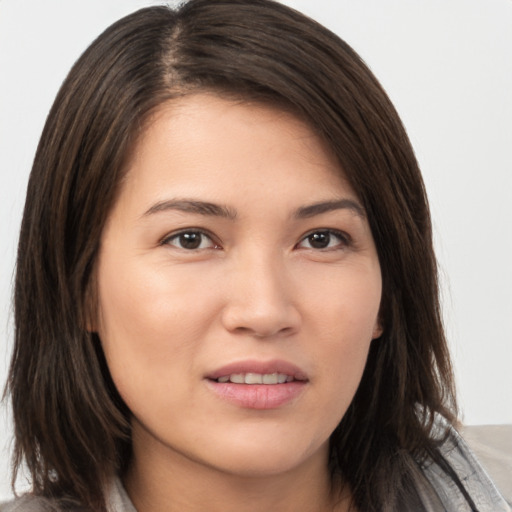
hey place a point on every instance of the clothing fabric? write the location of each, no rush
(437, 492)
(444, 494)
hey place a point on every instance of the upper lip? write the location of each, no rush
(261, 367)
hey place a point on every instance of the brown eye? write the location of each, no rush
(319, 240)
(191, 240)
(324, 239)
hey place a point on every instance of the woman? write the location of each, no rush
(226, 294)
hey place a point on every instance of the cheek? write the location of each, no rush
(344, 312)
(346, 304)
(148, 305)
(148, 328)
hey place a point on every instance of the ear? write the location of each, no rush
(89, 326)
(89, 322)
(90, 309)
(377, 329)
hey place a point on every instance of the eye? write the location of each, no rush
(190, 240)
(324, 239)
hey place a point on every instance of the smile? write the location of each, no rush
(256, 378)
(260, 385)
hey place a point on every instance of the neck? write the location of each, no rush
(163, 481)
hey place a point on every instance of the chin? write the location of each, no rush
(263, 458)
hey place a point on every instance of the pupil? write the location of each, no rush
(190, 240)
(319, 240)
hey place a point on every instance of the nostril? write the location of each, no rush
(262, 334)
(252, 316)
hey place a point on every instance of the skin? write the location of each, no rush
(257, 287)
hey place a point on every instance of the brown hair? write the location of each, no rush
(71, 427)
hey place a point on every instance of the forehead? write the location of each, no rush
(205, 129)
(253, 158)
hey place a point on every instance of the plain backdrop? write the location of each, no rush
(447, 66)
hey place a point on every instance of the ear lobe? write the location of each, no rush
(377, 329)
(90, 327)
(90, 314)
(89, 323)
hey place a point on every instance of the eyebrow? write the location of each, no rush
(216, 210)
(312, 210)
(191, 206)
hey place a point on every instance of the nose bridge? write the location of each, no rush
(260, 301)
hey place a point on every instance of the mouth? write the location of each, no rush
(258, 385)
(258, 372)
(257, 378)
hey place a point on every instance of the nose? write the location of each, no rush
(260, 299)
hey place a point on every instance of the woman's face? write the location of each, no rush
(239, 289)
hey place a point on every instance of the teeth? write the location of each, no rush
(256, 378)
(253, 378)
(270, 378)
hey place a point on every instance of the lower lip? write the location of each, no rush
(258, 396)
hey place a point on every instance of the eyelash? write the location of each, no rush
(202, 234)
(343, 238)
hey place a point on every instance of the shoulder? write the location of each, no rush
(30, 503)
(117, 500)
(27, 504)
(459, 480)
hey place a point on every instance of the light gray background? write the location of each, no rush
(446, 64)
